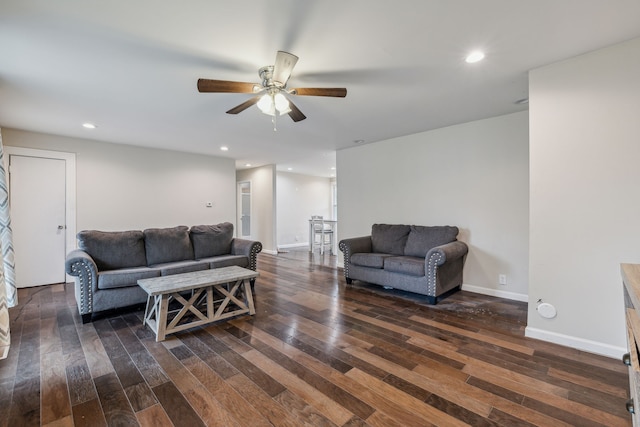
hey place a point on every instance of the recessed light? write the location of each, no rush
(89, 126)
(248, 165)
(224, 148)
(522, 101)
(358, 141)
(289, 169)
(333, 168)
(474, 57)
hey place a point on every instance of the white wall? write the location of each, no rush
(585, 209)
(263, 204)
(298, 197)
(120, 187)
(473, 176)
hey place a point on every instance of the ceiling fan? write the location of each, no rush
(272, 94)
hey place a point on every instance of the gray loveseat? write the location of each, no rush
(414, 258)
(108, 264)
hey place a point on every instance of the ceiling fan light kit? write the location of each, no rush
(270, 103)
(270, 96)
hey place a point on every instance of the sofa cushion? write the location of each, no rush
(389, 239)
(167, 244)
(124, 277)
(228, 260)
(371, 260)
(211, 240)
(413, 266)
(114, 249)
(421, 239)
(167, 269)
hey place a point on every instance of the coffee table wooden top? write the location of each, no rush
(194, 280)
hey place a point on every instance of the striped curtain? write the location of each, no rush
(8, 291)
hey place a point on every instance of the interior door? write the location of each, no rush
(244, 209)
(37, 199)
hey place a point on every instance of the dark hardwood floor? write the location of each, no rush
(317, 353)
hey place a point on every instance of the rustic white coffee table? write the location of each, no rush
(215, 294)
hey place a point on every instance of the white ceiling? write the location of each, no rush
(131, 67)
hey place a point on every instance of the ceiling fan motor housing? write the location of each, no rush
(266, 74)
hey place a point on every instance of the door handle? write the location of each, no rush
(61, 227)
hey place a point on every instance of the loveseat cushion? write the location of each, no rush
(389, 239)
(371, 260)
(113, 249)
(413, 266)
(167, 245)
(124, 277)
(421, 239)
(211, 240)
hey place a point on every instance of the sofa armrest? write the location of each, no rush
(448, 252)
(352, 246)
(80, 264)
(249, 248)
(356, 245)
(443, 267)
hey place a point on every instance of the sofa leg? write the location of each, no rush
(349, 280)
(434, 300)
(86, 318)
(252, 282)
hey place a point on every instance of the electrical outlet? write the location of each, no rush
(502, 279)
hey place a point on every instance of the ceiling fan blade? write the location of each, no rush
(285, 62)
(207, 85)
(240, 108)
(339, 92)
(295, 113)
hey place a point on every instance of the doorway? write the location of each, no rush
(244, 210)
(42, 205)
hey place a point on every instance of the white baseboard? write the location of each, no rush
(575, 342)
(553, 337)
(270, 252)
(496, 293)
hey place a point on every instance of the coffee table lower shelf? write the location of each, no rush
(187, 300)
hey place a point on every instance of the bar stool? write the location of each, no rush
(323, 231)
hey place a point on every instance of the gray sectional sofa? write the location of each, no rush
(108, 264)
(414, 258)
